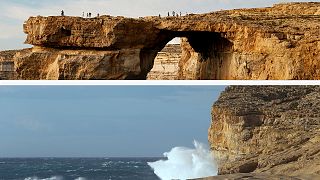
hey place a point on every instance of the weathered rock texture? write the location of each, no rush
(261, 176)
(281, 42)
(54, 64)
(166, 64)
(7, 71)
(267, 129)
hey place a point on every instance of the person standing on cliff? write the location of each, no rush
(90, 15)
(83, 14)
(62, 13)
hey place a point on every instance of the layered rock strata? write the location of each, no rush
(280, 42)
(54, 64)
(166, 64)
(7, 71)
(267, 129)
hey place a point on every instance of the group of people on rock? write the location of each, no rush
(88, 14)
(174, 14)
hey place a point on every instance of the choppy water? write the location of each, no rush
(77, 168)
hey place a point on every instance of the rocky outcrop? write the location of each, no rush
(54, 64)
(280, 42)
(260, 176)
(166, 64)
(267, 129)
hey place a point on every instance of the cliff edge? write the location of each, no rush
(267, 129)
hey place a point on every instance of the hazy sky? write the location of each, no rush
(102, 121)
(15, 12)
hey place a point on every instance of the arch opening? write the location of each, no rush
(166, 62)
(198, 55)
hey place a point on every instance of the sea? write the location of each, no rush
(77, 169)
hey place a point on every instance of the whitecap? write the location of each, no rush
(51, 178)
(185, 163)
(106, 164)
(80, 178)
(71, 170)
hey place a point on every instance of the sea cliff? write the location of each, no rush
(279, 42)
(267, 130)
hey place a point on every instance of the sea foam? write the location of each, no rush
(186, 163)
(51, 178)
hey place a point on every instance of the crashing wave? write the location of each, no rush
(186, 163)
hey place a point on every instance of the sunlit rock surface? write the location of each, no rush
(7, 71)
(279, 42)
(267, 129)
(261, 176)
(166, 64)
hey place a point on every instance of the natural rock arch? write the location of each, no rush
(281, 42)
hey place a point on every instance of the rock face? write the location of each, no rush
(280, 42)
(54, 64)
(7, 71)
(261, 176)
(166, 64)
(267, 129)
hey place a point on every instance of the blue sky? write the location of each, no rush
(102, 121)
(15, 12)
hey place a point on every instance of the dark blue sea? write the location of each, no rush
(76, 169)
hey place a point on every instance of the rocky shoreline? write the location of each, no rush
(260, 177)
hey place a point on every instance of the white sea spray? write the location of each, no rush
(186, 163)
(51, 178)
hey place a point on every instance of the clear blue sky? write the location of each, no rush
(15, 12)
(102, 121)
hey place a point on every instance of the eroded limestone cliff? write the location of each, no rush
(68, 64)
(280, 42)
(7, 71)
(267, 129)
(166, 64)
